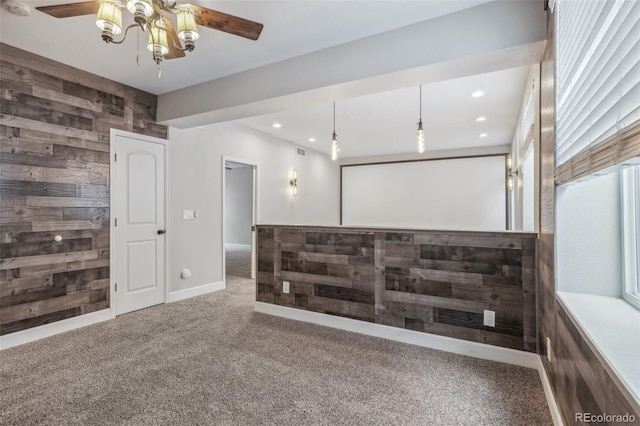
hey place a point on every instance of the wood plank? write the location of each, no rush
(29, 214)
(21, 187)
(67, 225)
(324, 257)
(379, 269)
(514, 242)
(434, 301)
(43, 307)
(342, 293)
(36, 270)
(19, 262)
(45, 201)
(57, 175)
(343, 307)
(316, 279)
(49, 247)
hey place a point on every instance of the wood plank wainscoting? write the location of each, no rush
(437, 282)
(54, 180)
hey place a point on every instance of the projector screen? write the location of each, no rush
(456, 194)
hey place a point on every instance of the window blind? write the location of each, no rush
(598, 79)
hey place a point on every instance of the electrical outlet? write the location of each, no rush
(285, 287)
(489, 318)
(548, 349)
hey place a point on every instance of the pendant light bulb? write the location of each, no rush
(420, 133)
(334, 147)
(420, 136)
(334, 139)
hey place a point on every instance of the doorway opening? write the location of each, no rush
(239, 218)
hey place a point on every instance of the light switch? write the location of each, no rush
(188, 214)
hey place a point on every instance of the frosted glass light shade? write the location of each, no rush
(140, 6)
(187, 28)
(109, 18)
(158, 40)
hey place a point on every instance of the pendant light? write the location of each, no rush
(334, 139)
(420, 134)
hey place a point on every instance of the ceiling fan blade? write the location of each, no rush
(224, 22)
(174, 52)
(72, 9)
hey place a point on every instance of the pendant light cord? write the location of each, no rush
(421, 102)
(334, 116)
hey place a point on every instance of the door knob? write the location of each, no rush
(161, 231)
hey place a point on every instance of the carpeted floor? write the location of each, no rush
(238, 260)
(211, 360)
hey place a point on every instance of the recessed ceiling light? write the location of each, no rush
(483, 135)
(276, 125)
(312, 139)
(481, 118)
(477, 93)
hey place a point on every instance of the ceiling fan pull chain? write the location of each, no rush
(159, 71)
(138, 49)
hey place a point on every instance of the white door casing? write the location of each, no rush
(138, 208)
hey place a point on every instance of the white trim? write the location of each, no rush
(630, 221)
(239, 245)
(113, 205)
(188, 293)
(47, 330)
(548, 393)
(443, 343)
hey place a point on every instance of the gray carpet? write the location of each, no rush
(211, 360)
(238, 261)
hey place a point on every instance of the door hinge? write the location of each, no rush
(116, 287)
(116, 221)
(115, 157)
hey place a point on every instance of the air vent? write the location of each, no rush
(301, 151)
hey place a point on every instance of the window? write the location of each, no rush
(631, 234)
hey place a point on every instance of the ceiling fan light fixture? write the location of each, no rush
(187, 28)
(109, 20)
(158, 42)
(140, 9)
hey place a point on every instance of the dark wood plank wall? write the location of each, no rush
(54, 180)
(580, 380)
(432, 282)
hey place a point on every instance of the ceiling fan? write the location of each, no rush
(152, 15)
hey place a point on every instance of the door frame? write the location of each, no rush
(113, 199)
(256, 170)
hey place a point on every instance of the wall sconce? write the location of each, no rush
(293, 182)
(511, 173)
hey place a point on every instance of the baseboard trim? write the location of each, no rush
(47, 330)
(443, 343)
(548, 393)
(239, 245)
(188, 293)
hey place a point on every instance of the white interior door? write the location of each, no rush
(140, 222)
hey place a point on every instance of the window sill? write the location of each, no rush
(613, 326)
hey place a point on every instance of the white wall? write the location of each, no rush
(238, 205)
(588, 229)
(195, 182)
(458, 194)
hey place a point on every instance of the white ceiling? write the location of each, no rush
(291, 28)
(378, 124)
(386, 123)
